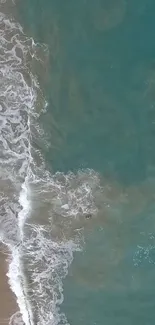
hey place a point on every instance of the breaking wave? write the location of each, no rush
(42, 215)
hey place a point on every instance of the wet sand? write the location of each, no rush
(8, 305)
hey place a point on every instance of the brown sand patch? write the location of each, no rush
(8, 305)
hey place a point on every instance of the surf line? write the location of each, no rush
(17, 279)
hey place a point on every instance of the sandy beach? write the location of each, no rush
(8, 305)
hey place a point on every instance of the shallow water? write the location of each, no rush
(100, 84)
(82, 176)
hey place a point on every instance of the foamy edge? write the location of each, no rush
(72, 195)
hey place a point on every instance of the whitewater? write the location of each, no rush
(42, 215)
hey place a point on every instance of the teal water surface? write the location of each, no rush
(100, 88)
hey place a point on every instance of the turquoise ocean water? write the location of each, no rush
(100, 83)
(98, 79)
(100, 88)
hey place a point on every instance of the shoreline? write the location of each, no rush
(9, 309)
(8, 305)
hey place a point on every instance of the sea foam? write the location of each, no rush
(41, 214)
